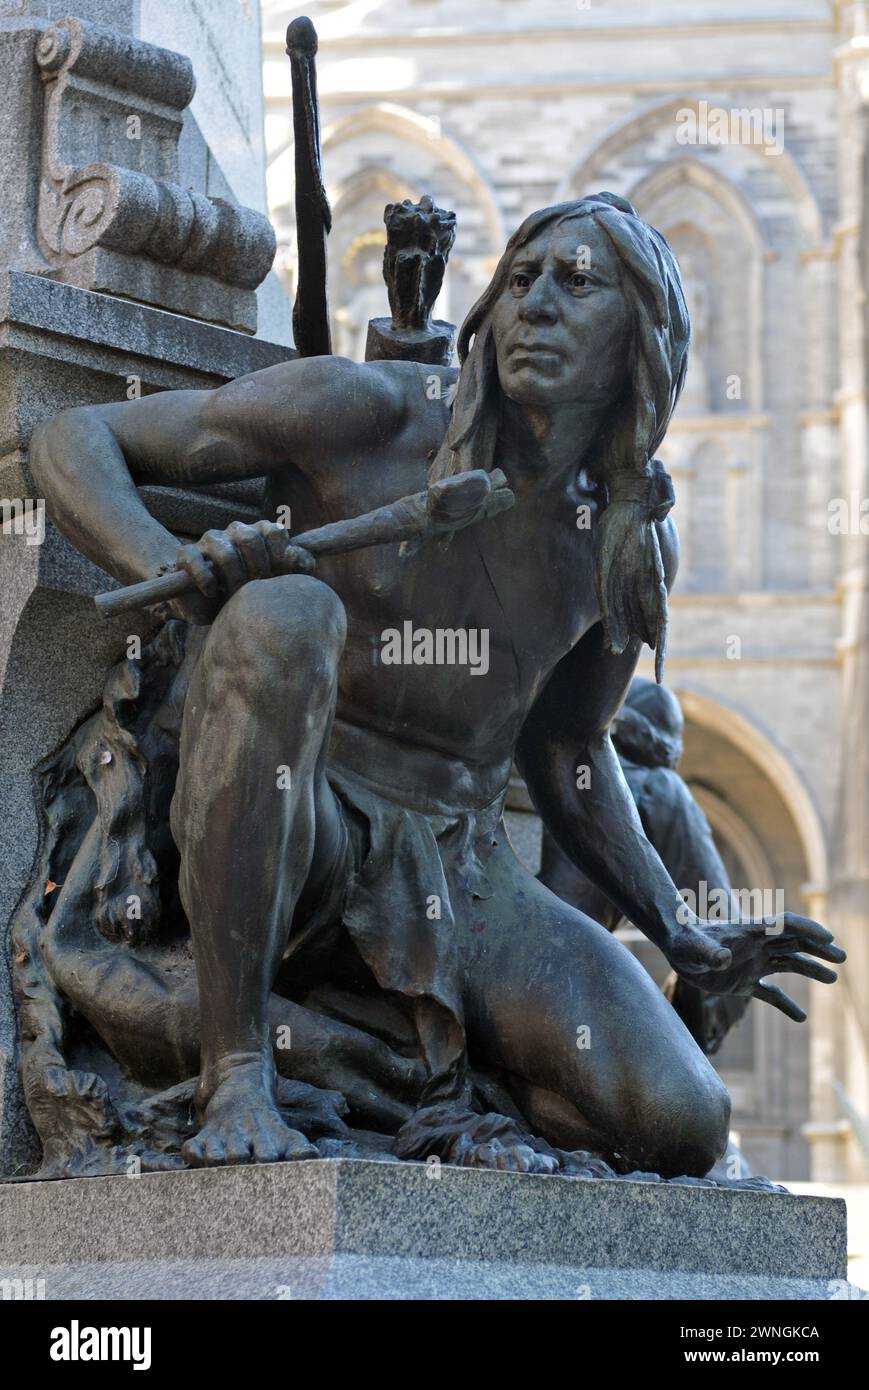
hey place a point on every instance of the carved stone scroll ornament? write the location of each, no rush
(123, 223)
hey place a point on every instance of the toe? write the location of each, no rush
(266, 1151)
(204, 1150)
(238, 1150)
(214, 1149)
(297, 1146)
(193, 1153)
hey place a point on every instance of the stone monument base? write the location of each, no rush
(357, 1229)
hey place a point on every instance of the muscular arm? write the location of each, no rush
(600, 830)
(88, 462)
(597, 825)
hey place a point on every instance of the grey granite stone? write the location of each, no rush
(197, 296)
(120, 14)
(381, 1277)
(20, 137)
(112, 213)
(360, 1229)
(107, 334)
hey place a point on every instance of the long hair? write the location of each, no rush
(629, 571)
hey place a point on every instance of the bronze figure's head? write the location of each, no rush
(586, 306)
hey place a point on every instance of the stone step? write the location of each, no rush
(351, 1229)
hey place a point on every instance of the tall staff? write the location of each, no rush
(313, 214)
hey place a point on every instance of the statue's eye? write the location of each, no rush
(520, 281)
(579, 280)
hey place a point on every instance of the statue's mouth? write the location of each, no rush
(533, 349)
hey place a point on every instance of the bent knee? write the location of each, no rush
(683, 1125)
(291, 624)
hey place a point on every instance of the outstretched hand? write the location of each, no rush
(736, 957)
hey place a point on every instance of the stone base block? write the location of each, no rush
(355, 1229)
(166, 287)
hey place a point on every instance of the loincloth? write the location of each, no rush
(402, 883)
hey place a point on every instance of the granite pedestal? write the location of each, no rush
(357, 1229)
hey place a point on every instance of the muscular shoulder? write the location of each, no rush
(321, 404)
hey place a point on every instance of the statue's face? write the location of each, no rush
(562, 325)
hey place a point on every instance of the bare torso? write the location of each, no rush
(533, 601)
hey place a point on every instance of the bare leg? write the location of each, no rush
(604, 1063)
(251, 793)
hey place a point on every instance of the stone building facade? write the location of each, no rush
(739, 132)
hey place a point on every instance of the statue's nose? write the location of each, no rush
(538, 305)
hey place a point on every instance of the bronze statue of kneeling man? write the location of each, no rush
(338, 816)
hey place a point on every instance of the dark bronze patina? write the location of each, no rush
(284, 917)
(647, 735)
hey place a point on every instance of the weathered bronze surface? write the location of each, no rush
(419, 238)
(647, 735)
(299, 785)
(311, 332)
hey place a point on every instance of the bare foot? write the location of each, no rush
(243, 1125)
